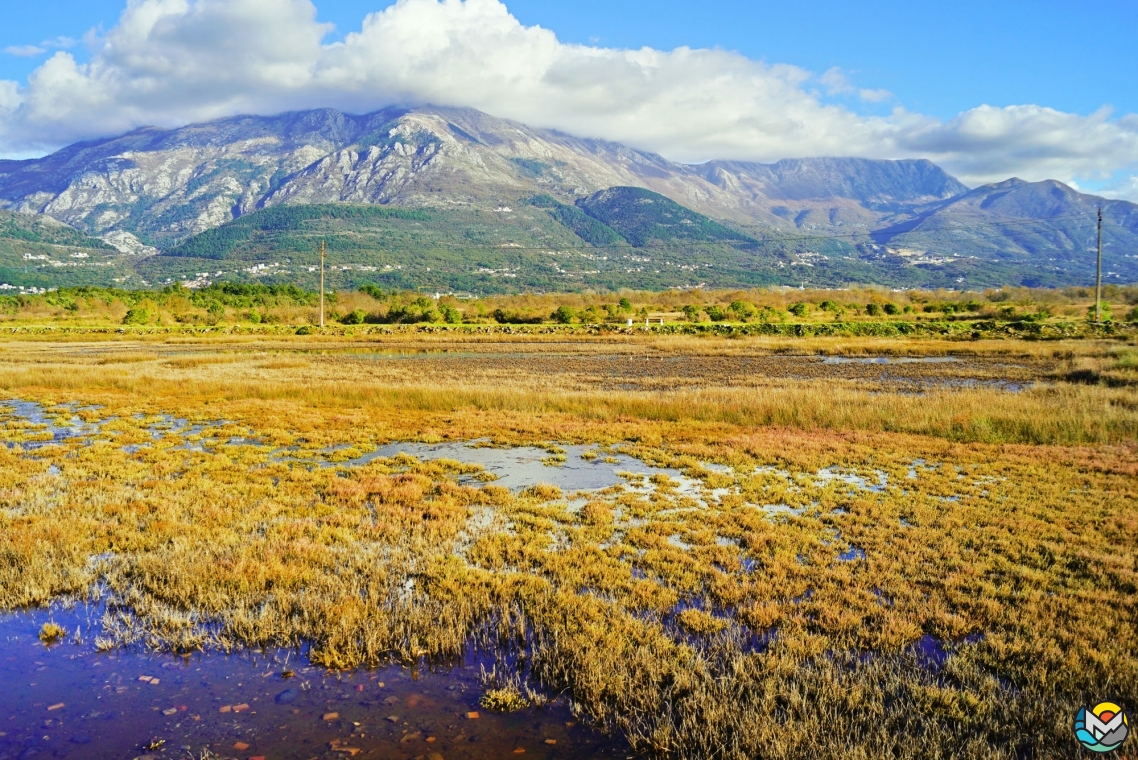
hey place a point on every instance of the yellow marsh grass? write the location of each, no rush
(1060, 413)
(1031, 550)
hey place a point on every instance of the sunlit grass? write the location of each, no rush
(729, 625)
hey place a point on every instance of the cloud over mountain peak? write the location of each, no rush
(171, 62)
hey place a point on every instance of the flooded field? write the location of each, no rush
(644, 371)
(68, 700)
(618, 365)
(678, 550)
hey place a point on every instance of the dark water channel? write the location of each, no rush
(67, 700)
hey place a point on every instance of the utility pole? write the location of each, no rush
(1098, 272)
(322, 257)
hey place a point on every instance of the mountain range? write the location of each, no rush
(455, 198)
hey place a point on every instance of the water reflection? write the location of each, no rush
(68, 700)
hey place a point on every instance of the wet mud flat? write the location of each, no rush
(606, 366)
(651, 372)
(67, 700)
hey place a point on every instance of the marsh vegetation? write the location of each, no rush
(858, 309)
(818, 559)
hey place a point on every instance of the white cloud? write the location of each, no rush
(837, 82)
(62, 43)
(1031, 141)
(9, 97)
(874, 96)
(31, 51)
(169, 62)
(1125, 189)
(25, 51)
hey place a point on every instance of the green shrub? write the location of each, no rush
(873, 309)
(691, 313)
(503, 317)
(356, 317)
(372, 290)
(564, 315)
(891, 309)
(592, 316)
(742, 310)
(1106, 312)
(769, 313)
(799, 310)
(716, 313)
(137, 316)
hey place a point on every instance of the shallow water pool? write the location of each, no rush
(68, 700)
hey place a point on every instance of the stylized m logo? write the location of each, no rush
(1099, 729)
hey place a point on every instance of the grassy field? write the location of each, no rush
(852, 558)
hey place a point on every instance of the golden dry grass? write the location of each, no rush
(715, 623)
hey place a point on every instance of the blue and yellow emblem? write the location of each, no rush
(1102, 728)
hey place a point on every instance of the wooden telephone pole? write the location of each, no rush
(1098, 272)
(322, 257)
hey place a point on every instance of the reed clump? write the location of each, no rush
(505, 699)
(51, 633)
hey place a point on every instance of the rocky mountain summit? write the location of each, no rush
(164, 186)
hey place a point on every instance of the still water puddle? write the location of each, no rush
(67, 700)
(890, 360)
(520, 467)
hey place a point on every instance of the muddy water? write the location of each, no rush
(67, 700)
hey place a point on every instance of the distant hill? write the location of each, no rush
(285, 227)
(37, 228)
(642, 217)
(540, 244)
(492, 185)
(38, 251)
(592, 231)
(1046, 225)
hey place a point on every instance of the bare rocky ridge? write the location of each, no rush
(166, 185)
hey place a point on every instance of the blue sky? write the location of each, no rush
(895, 78)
